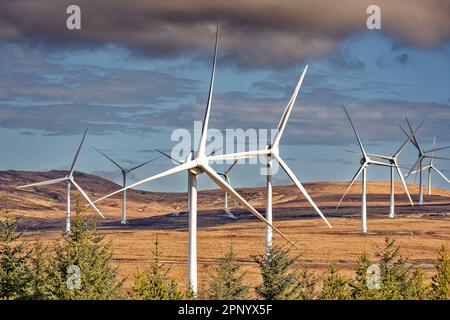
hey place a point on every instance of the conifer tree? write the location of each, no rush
(440, 282)
(416, 286)
(39, 282)
(306, 285)
(154, 283)
(81, 268)
(228, 281)
(395, 277)
(278, 282)
(335, 287)
(14, 267)
(359, 289)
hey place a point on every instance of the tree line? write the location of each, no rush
(79, 266)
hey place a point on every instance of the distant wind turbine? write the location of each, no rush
(69, 179)
(225, 175)
(430, 167)
(423, 154)
(366, 161)
(125, 172)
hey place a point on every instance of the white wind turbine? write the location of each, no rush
(69, 179)
(271, 153)
(366, 161)
(125, 172)
(395, 167)
(225, 175)
(423, 154)
(430, 167)
(195, 164)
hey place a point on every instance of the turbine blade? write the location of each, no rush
(400, 174)
(414, 136)
(233, 193)
(43, 183)
(288, 109)
(379, 156)
(168, 156)
(179, 168)
(356, 133)
(441, 174)
(300, 186)
(412, 140)
(439, 158)
(351, 183)
(378, 163)
(86, 197)
(202, 143)
(231, 167)
(413, 167)
(436, 149)
(72, 167)
(215, 151)
(143, 164)
(107, 157)
(239, 155)
(403, 145)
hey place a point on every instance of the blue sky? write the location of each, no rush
(132, 103)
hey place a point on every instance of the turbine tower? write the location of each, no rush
(271, 153)
(423, 155)
(125, 172)
(69, 179)
(430, 167)
(197, 163)
(366, 161)
(225, 175)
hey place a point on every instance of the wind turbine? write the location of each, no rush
(393, 160)
(226, 177)
(69, 179)
(430, 167)
(197, 163)
(423, 154)
(271, 153)
(366, 161)
(125, 172)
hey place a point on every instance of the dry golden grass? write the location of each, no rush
(418, 230)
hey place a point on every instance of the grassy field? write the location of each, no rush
(419, 231)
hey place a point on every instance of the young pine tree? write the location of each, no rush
(278, 282)
(39, 284)
(395, 277)
(440, 282)
(154, 283)
(359, 289)
(14, 267)
(335, 287)
(228, 281)
(306, 285)
(81, 268)
(417, 289)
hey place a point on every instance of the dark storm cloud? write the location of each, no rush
(254, 33)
